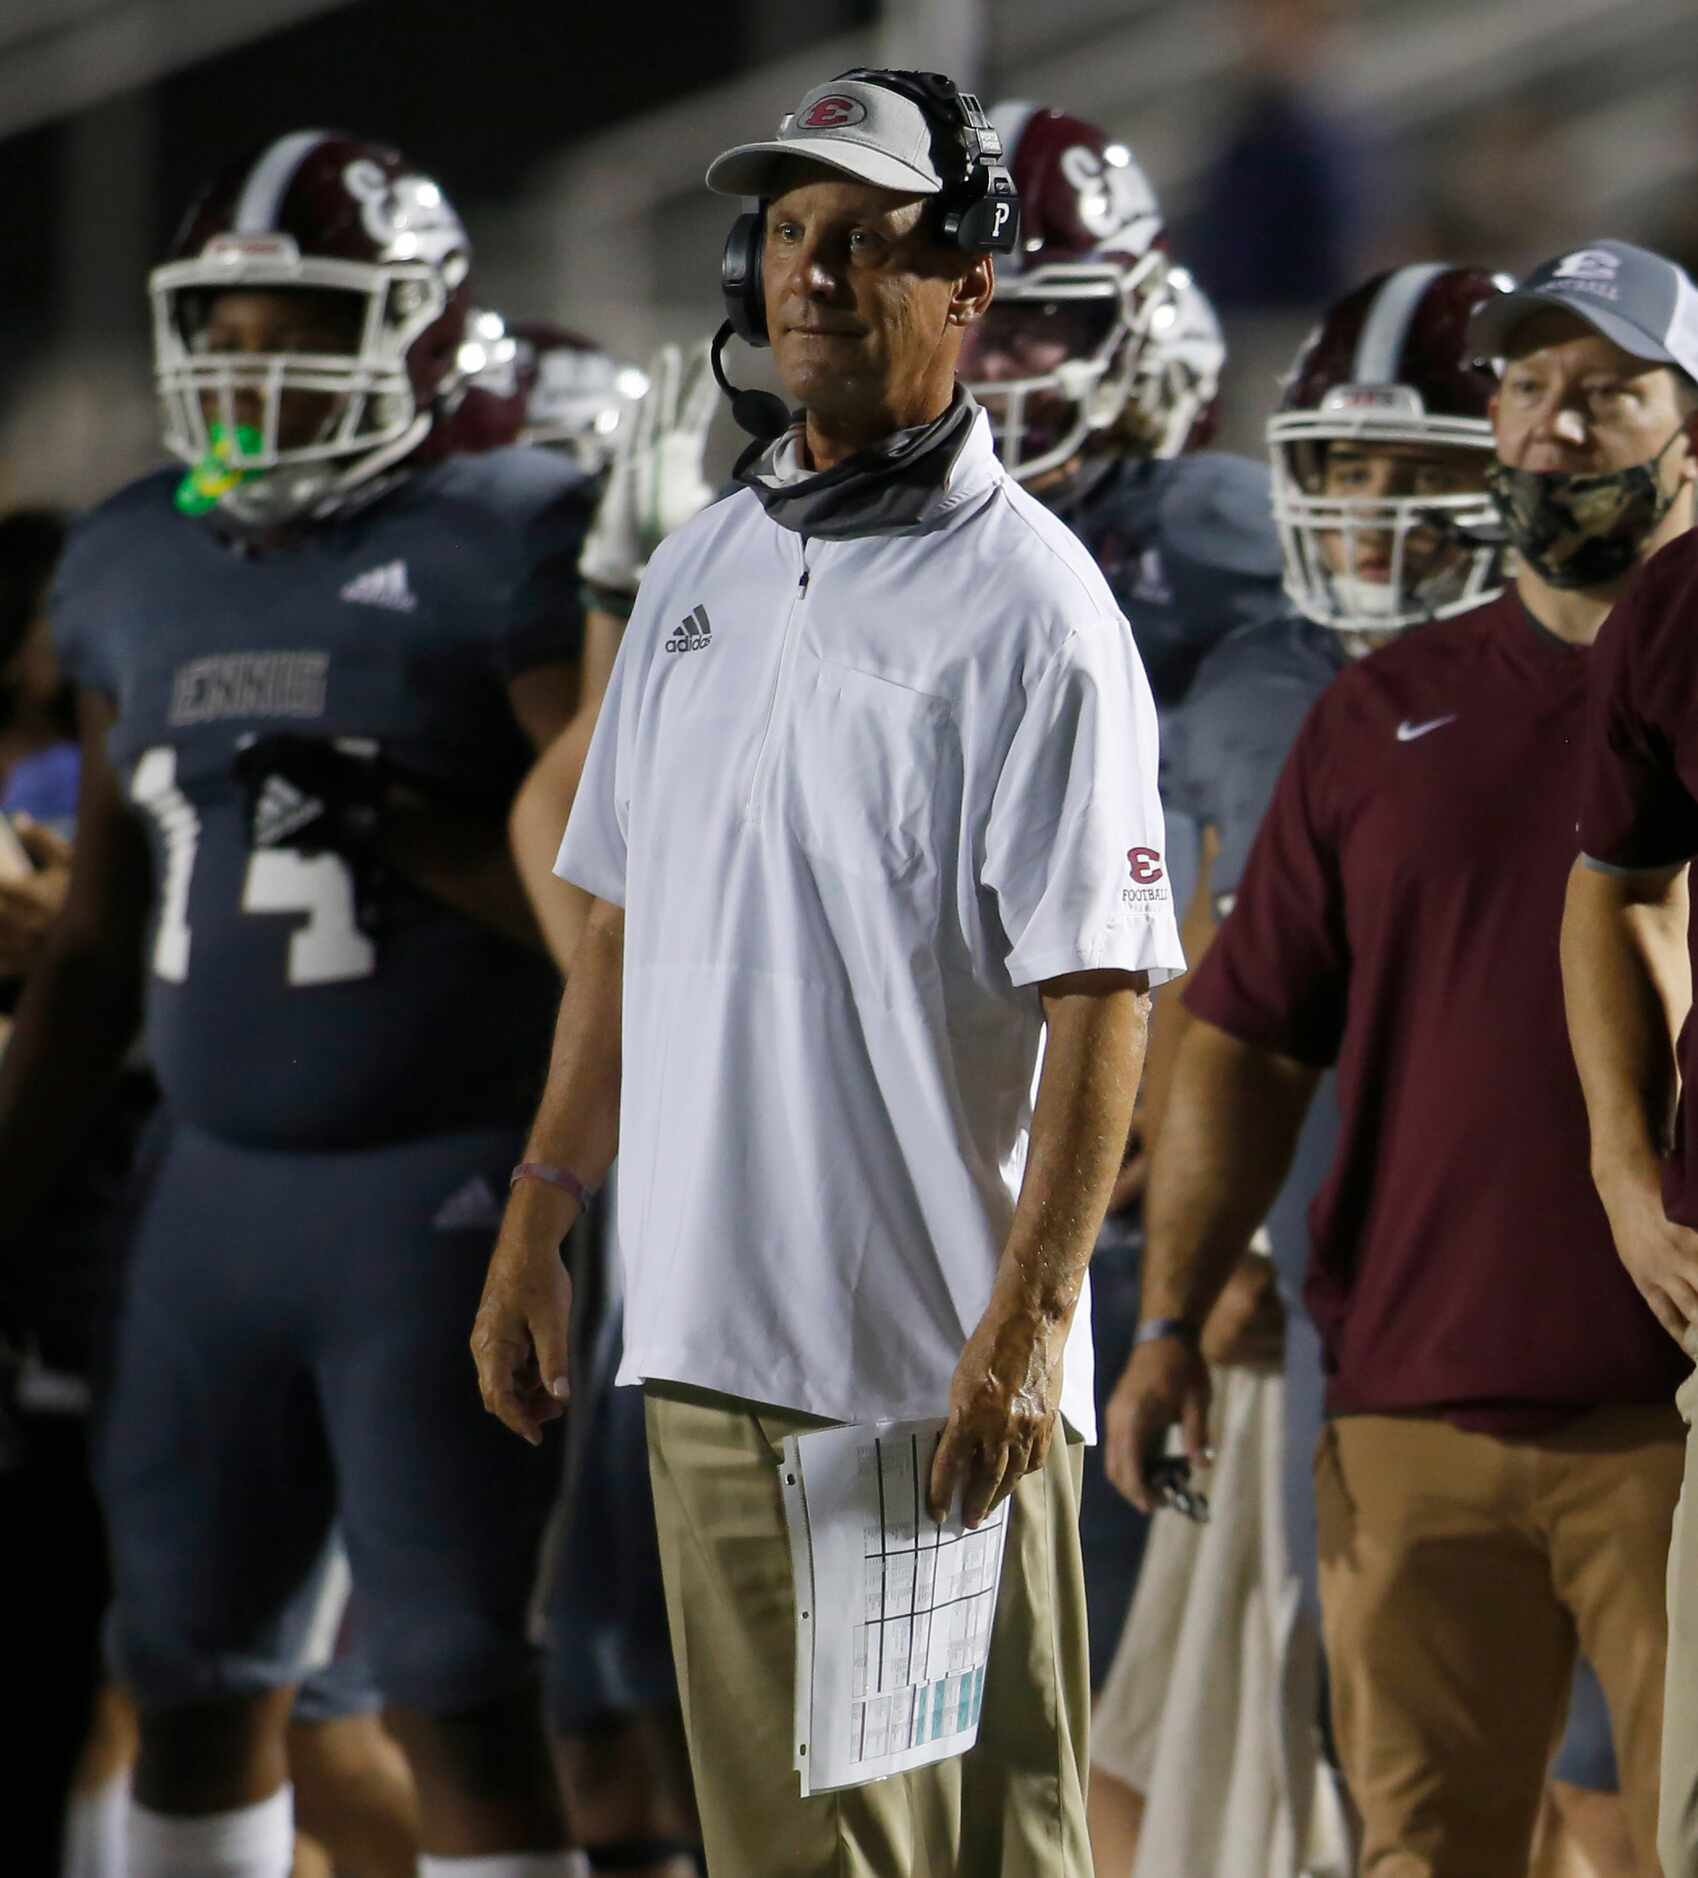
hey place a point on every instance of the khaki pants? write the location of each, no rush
(1014, 1807)
(1677, 1830)
(1456, 1572)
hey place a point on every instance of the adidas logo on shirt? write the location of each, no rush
(281, 810)
(694, 634)
(384, 586)
(471, 1208)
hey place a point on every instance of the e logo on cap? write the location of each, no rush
(832, 113)
(1587, 264)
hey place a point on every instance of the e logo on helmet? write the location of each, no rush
(834, 112)
(408, 217)
(1109, 195)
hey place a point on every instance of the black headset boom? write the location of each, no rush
(978, 208)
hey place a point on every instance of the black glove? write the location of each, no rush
(310, 795)
(307, 794)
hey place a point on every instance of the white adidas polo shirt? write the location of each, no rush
(858, 798)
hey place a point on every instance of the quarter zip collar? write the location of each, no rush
(913, 481)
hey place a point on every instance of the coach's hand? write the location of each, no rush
(519, 1339)
(1661, 1257)
(1164, 1384)
(1003, 1403)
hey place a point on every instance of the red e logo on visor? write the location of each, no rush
(1145, 864)
(832, 113)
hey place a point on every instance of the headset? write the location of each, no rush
(978, 211)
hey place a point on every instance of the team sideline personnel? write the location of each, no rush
(1628, 978)
(870, 805)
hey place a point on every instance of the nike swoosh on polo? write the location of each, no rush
(1408, 732)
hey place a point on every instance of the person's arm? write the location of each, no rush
(1232, 1126)
(81, 1006)
(519, 1340)
(1168, 1021)
(1006, 1390)
(464, 860)
(540, 809)
(1627, 985)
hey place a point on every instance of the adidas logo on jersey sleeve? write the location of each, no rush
(694, 634)
(384, 586)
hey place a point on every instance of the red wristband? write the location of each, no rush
(561, 1177)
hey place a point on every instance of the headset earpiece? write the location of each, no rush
(990, 225)
(740, 278)
(979, 207)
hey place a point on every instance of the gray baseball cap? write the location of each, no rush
(1646, 304)
(863, 130)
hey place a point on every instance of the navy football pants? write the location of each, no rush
(292, 1351)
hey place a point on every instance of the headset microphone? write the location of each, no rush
(763, 414)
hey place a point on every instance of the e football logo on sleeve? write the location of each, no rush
(1149, 877)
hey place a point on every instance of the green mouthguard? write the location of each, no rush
(213, 477)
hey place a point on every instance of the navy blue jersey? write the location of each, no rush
(1188, 546)
(1240, 719)
(274, 1018)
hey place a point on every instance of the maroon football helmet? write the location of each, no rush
(324, 211)
(1390, 364)
(1056, 356)
(487, 411)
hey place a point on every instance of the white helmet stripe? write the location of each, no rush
(269, 179)
(1387, 325)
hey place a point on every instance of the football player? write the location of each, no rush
(1099, 363)
(313, 665)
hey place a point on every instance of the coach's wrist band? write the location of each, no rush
(550, 1176)
(1159, 1327)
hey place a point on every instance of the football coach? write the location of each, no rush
(869, 817)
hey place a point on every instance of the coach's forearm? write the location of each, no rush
(544, 801)
(535, 825)
(1233, 1118)
(1627, 987)
(1097, 1028)
(577, 1121)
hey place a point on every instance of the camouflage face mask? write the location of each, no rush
(1581, 531)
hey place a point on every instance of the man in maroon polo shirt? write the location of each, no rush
(1501, 1461)
(1628, 976)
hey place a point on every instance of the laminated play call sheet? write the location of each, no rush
(893, 1609)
